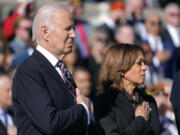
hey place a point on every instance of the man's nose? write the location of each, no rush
(72, 34)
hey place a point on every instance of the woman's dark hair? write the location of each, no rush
(118, 59)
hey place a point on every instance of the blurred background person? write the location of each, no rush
(123, 108)
(164, 3)
(98, 45)
(5, 54)
(167, 90)
(171, 32)
(82, 78)
(7, 126)
(166, 115)
(164, 59)
(151, 75)
(115, 18)
(73, 59)
(151, 4)
(125, 34)
(23, 8)
(134, 15)
(82, 28)
(21, 46)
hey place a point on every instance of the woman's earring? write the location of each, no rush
(122, 74)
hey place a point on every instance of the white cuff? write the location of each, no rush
(87, 111)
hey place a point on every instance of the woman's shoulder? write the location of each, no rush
(107, 94)
(107, 97)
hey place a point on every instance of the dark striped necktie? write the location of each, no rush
(67, 78)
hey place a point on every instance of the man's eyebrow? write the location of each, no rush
(69, 26)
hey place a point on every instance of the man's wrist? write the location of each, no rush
(87, 111)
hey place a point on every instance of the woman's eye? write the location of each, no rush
(139, 63)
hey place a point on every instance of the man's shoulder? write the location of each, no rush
(177, 78)
(107, 96)
(31, 63)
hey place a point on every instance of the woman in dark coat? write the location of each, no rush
(123, 108)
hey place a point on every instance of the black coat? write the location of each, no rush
(114, 115)
(175, 99)
(3, 130)
(42, 102)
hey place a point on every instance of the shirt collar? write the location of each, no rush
(1, 111)
(49, 56)
(171, 27)
(153, 38)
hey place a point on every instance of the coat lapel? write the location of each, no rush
(48, 68)
(2, 129)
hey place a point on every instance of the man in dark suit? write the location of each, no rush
(45, 98)
(175, 100)
(171, 33)
(7, 126)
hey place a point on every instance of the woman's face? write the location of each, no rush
(136, 74)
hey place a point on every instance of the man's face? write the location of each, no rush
(83, 82)
(5, 92)
(62, 34)
(99, 44)
(173, 17)
(153, 24)
(23, 30)
(125, 32)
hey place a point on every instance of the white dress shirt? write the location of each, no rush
(175, 34)
(9, 118)
(155, 43)
(53, 60)
(156, 46)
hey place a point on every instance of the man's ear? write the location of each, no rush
(45, 33)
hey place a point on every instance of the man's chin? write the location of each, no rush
(68, 50)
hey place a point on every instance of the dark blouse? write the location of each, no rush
(134, 102)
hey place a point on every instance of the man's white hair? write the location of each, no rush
(44, 17)
(171, 6)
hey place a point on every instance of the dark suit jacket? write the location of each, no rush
(175, 99)
(166, 37)
(169, 67)
(114, 115)
(42, 102)
(3, 130)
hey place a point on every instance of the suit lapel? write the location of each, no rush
(51, 73)
(168, 37)
(48, 68)
(3, 130)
